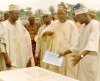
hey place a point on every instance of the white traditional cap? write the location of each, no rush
(13, 7)
(47, 12)
(63, 5)
(80, 9)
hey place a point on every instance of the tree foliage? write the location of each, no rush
(52, 10)
(38, 13)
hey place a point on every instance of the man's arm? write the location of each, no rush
(92, 43)
(7, 60)
(65, 53)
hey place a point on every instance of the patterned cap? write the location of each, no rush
(79, 8)
(13, 7)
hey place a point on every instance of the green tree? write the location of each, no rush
(98, 15)
(28, 11)
(52, 10)
(1, 12)
(38, 13)
(70, 11)
(22, 12)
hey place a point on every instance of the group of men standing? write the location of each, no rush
(80, 47)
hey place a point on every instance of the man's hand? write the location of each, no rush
(8, 62)
(49, 33)
(62, 54)
(76, 59)
(37, 59)
(37, 55)
(29, 63)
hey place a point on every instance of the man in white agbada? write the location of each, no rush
(15, 42)
(88, 46)
(42, 45)
(1, 57)
(64, 34)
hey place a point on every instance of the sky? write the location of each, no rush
(44, 4)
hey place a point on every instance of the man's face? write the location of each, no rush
(81, 18)
(61, 15)
(31, 20)
(46, 18)
(14, 15)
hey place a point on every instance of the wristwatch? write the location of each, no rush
(82, 56)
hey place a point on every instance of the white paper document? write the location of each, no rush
(52, 58)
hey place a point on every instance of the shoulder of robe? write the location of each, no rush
(3, 27)
(42, 26)
(4, 24)
(94, 24)
(22, 26)
(93, 21)
(54, 23)
(72, 24)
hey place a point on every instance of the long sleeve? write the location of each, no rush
(93, 41)
(41, 37)
(38, 42)
(2, 39)
(50, 28)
